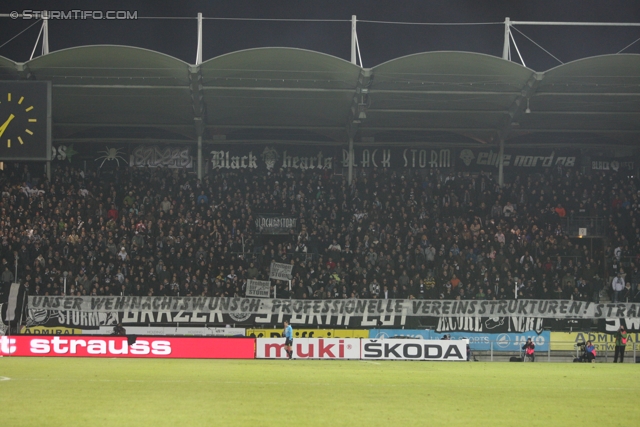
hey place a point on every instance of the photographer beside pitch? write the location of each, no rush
(590, 352)
(288, 339)
(529, 351)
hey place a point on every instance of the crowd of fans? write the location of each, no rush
(392, 234)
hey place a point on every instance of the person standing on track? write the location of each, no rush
(621, 342)
(288, 339)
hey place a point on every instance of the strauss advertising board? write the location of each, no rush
(147, 347)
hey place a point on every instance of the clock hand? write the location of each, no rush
(5, 124)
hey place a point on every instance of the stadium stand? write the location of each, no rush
(392, 234)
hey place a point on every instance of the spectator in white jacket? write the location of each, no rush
(617, 285)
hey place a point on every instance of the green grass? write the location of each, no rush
(136, 392)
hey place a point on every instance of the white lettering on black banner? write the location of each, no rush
(275, 225)
(155, 156)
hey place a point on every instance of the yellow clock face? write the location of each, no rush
(25, 120)
(16, 127)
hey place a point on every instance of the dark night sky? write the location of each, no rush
(379, 43)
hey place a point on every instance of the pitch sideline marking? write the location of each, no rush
(291, 383)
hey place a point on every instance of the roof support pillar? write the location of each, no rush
(45, 33)
(514, 112)
(199, 46)
(199, 110)
(501, 163)
(353, 39)
(357, 113)
(200, 157)
(350, 170)
(199, 125)
(506, 46)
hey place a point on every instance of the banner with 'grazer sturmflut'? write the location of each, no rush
(556, 309)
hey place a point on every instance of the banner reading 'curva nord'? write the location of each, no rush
(349, 307)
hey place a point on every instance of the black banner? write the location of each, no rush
(67, 320)
(272, 224)
(607, 164)
(613, 324)
(295, 157)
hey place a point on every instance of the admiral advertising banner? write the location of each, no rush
(258, 288)
(603, 342)
(166, 348)
(442, 350)
(350, 307)
(266, 224)
(309, 348)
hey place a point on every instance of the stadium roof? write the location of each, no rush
(119, 93)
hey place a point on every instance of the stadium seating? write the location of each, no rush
(392, 234)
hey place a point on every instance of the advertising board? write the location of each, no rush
(479, 341)
(601, 340)
(144, 347)
(411, 349)
(309, 348)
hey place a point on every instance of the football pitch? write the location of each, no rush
(137, 392)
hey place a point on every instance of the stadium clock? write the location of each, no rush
(25, 120)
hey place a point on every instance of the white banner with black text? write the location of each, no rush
(552, 309)
(280, 271)
(258, 288)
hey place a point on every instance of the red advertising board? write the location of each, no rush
(145, 347)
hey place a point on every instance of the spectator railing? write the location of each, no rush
(605, 353)
(595, 226)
